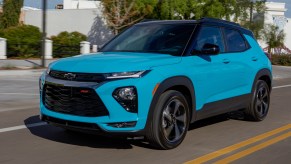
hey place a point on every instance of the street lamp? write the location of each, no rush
(44, 10)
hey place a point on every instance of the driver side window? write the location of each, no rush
(210, 35)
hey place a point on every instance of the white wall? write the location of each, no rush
(81, 4)
(85, 21)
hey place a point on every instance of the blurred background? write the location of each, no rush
(83, 26)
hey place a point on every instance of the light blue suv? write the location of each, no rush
(156, 78)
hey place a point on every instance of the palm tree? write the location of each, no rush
(273, 36)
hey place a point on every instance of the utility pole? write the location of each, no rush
(251, 11)
(43, 47)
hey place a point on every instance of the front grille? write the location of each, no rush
(73, 100)
(83, 77)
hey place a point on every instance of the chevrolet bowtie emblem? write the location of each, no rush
(70, 76)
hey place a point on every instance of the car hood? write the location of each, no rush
(105, 62)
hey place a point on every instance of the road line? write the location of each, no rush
(30, 94)
(282, 86)
(236, 146)
(253, 149)
(13, 128)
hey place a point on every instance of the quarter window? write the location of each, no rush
(234, 40)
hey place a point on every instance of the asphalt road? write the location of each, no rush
(222, 139)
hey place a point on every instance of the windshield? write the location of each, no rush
(152, 38)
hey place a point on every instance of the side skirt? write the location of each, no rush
(223, 106)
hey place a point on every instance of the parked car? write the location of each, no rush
(156, 78)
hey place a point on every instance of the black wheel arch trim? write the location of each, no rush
(261, 73)
(169, 83)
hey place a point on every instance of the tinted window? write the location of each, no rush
(211, 35)
(234, 40)
(147, 38)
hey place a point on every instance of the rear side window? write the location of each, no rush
(234, 40)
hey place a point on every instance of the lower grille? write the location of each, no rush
(71, 124)
(73, 100)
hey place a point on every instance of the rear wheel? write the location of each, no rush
(169, 122)
(259, 106)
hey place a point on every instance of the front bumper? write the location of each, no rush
(117, 114)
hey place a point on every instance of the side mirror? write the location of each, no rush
(210, 49)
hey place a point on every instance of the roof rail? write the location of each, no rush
(148, 20)
(205, 19)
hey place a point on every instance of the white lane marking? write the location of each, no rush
(282, 86)
(31, 94)
(13, 128)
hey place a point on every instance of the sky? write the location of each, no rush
(52, 4)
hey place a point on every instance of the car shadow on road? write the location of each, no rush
(57, 134)
(61, 135)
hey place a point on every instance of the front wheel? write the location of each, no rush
(259, 106)
(170, 120)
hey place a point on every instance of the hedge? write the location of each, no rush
(22, 41)
(284, 60)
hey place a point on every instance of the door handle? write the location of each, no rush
(226, 61)
(254, 58)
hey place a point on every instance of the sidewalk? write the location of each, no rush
(27, 72)
(24, 63)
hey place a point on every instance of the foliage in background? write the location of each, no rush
(120, 14)
(190, 9)
(22, 41)
(11, 13)
(273, 36)
(242, 15)
(67, 44)
(284, 60)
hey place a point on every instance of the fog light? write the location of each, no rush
(122, 124)
(127, 98)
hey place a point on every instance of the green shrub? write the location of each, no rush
(22, 41)
(284, 60)
(67, 44)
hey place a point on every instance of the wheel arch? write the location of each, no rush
(264, 74)
(179, 83)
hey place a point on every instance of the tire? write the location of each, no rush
(259, 106)
(169, 122)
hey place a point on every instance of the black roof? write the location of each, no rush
(208, 21)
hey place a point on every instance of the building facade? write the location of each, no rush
(275, 14)
(81, 4)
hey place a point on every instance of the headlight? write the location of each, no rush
(122, 75)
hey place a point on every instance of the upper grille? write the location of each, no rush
(73, 100)
(84, 77)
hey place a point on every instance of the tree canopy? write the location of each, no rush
(273, 36)
(122, 13)
(11, 13)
